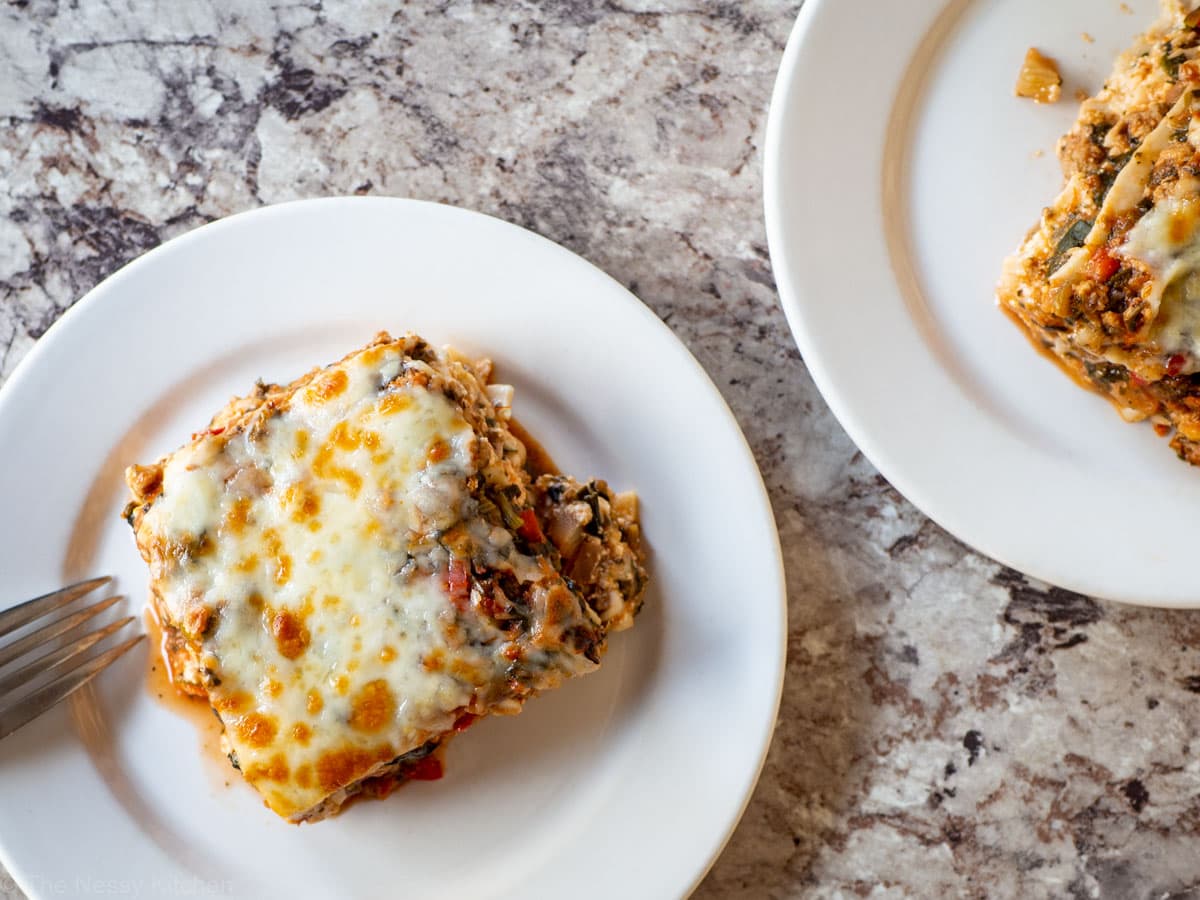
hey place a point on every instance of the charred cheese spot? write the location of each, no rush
(341, 684)
(301, 443)
(439, 450)
(247, 564)
(313, 703)
(348, 439)
(324, 467)
(372, 356)
(387, 654)
(276, 769)
(232, 703)
(291, 636)
(304, 776)
(304, 503)
(344, 438)
(271, 687)
(256, 729)
(281, 559)
(343, 766)
(238, 516)
(394, 403)
(372, 707)
(301, 734)
(327, 385)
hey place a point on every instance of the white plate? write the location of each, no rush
(626, 782)
(900, 171)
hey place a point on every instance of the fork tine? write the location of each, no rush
(48, 662)
(23, 613)
(62, 687)
(53, 630)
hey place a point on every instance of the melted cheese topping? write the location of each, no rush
(314, 540)
(1166, 240)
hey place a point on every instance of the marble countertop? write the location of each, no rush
(948, 728)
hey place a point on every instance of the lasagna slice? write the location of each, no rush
(353, 567)
(1108, 282)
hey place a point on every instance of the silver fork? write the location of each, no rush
(59, 647)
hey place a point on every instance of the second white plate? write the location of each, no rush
(624, 783)
(900, 171)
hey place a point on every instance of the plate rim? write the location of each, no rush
(761, 500)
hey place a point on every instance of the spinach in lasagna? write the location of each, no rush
(353, 567)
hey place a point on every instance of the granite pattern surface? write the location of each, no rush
(948, 728)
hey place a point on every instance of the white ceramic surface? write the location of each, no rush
(900, 170)
(626, 783)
